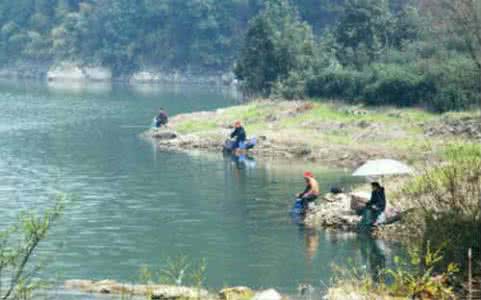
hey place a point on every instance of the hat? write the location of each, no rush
(308, 174)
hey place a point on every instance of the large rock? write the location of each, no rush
(172, 76)
(163, 134)
(145, 77)
(334, 211)
(69, 71)
(236, 293)
(270, 294)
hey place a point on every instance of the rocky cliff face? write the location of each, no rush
(156, 76)
(70, 71)
(79, 72)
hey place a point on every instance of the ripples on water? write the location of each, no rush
(133, 204)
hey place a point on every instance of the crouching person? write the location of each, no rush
(311, 192)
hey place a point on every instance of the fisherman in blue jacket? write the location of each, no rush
(239, 134)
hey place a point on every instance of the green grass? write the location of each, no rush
(195, 126)
(400, 128)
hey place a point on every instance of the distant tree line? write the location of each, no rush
(377, 51)
(126, 35)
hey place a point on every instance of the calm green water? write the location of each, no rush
(135, 205)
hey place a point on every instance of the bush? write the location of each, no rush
(450, 198)
(294, 87)
(419, 276)
(397, 85)
(457, 83)
(337, 83)
(17, 248)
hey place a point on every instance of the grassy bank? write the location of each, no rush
(341, 135)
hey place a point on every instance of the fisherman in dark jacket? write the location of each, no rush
(377, 203)
(239, 134)
(161, 119)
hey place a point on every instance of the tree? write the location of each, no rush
(464, 21)
(277, 45)
(362, 32)
(17, 247)
(257, 64)
(120, 21)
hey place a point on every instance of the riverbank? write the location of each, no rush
(327, 133)
(75, 72)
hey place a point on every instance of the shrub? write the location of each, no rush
(398, 85)
(450, 198)
(337, 83)
(294, 87)
(414, 277)
(457, 83)
(17, 247)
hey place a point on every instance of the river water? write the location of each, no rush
(134, 205)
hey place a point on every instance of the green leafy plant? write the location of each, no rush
(18, 244)
(416, 276)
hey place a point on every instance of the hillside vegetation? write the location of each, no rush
(398, 52)
(424, 53)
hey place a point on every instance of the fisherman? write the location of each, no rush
(377, 203)
(239, 134)
(161, 119)
(311, 192)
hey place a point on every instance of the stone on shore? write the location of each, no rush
(342, 211)
(236, 293)
(163, 134)
(334, 211)
(269, 294)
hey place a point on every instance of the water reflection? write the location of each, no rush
(373, 253)
(80, 87)
(241, 161)
(311, 238)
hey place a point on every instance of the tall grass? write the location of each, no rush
(419, 276)
(449, 196)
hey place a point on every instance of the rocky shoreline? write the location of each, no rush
(344, 136)
(68, 71)
(266, 147)
(169, 292)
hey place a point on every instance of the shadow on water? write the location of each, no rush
(373, 253)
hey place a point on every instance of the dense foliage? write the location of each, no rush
(401, 52)
(378, 52)
(125, 35)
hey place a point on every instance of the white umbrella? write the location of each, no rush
(382, 167)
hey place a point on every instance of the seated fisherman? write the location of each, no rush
(161, 119)
(239, 134)
(377, 203)
(311, 191)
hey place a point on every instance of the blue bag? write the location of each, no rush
(298, 208)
